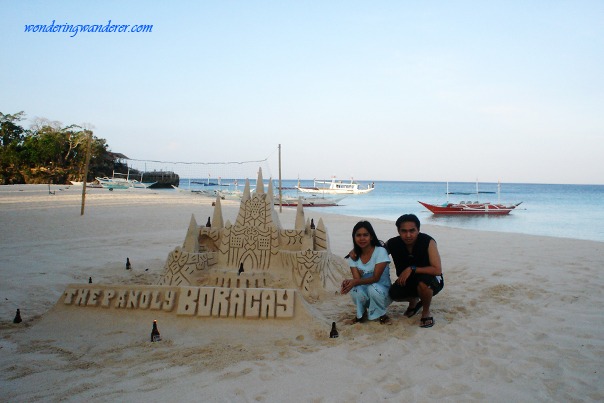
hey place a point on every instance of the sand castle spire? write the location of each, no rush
(217, 221)
(191, 243)
(271, 202)
(321, 241)
(260, 183)
(300, 222)
(269, 192)
(246, 191)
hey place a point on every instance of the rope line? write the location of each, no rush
(204, 163)
(199, 163)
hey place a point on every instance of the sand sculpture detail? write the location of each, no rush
(272, 257)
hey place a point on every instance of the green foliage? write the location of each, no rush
(11, 138)
(48, 153)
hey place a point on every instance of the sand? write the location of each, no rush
(520, 317)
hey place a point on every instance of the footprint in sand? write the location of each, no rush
(232, 375)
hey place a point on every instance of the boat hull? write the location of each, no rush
(335, 191)
(470, 208)
(141, 185)
(309, 202)
(88, 184)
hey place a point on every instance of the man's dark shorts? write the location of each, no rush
(398, 292)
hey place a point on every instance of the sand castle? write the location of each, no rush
(253, 268)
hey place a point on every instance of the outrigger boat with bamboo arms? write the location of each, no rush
(336, 187)
(471, 207)
(121, 182)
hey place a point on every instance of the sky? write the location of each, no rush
(509, 91)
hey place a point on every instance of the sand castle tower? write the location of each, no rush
(271, 256)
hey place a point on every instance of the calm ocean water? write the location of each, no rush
(567, 211)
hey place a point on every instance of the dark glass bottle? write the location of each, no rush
(312, 223)
(209, 223)
(18, 317)
(334, 332)
(128, 265)
(155, 332)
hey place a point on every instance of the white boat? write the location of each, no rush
(337, 187)
(123, 183)
(140, 185)
(230, 194)
(88, 184)
(113, 183)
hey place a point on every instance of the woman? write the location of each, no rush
(370, 275)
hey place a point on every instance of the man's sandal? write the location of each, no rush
(426, 322)
(412, 311)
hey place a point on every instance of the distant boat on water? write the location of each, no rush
(470, 193)
(336, 187)
(208, 183)
(471, 207)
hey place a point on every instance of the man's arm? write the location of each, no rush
(435, 268)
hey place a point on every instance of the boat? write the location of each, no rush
(140, 185)
(123, 183)
(470, 208)
(88, 184)
(336, 187)
(113, 183)
(312, 201)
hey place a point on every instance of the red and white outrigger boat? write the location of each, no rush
(470, 207)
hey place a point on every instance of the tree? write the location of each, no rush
(49, 151)
(10, 132)
(11, 141)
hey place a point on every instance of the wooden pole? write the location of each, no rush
(280, 188)
(85, 177)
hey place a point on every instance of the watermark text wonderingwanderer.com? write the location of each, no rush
(74, 29)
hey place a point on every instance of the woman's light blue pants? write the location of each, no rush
(371, 297)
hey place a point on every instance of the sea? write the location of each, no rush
(563, 211)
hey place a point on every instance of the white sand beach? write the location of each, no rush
(521, 318)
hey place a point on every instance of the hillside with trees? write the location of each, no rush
(49, 152)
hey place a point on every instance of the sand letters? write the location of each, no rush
(217, 302)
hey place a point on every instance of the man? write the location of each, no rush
(418, 268)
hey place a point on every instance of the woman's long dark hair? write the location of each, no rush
(374, 239)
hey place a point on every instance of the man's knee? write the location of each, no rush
(423, 288)
(397, 293)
